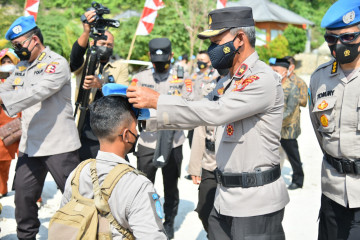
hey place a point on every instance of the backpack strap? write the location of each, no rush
(101, 196)
(76, 179)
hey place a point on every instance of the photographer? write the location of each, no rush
(107, 71)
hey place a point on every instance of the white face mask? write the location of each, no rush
(7, 68)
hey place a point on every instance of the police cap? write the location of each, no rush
(160, 49)
(114, 89)
(282, 62)
(221, 20)
(20, 26)
(342, 14)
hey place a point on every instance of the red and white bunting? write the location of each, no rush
(221, 4)
(148, 16)
(31, 8)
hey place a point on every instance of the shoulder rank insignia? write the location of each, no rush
(322, 105)
(188, 85)
(334, 67)
(220, 91)
(241, 70)
(229, 130)
(324, 121)
(22, 68)
(242, 84)
(41, 57)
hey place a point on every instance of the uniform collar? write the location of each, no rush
(111, 157)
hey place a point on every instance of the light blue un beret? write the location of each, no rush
(20, 26)
(342, 14)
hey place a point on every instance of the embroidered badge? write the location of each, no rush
(17, 29)
(220, 91)
(324, 121)
(349, 17)
(230, 130)
(188, 85)
(17, 81)
(22, 68)
(226, 49)
(56, 63)
(334, 67)
(322, 105)
(134, 81)
(244, 83)
(50, 68)
(176, 81)
(158, 208)
(347, 53)
(242, 69)
(41, 57)
(41, 65)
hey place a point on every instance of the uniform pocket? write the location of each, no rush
(234, 132)
(324, 111)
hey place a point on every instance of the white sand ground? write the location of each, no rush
(300, 221)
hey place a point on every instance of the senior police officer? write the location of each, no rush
(334, 110)
(247, 106)
(40, 88)
(109, 71)
(165, 80)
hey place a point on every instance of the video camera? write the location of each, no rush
(100, 24)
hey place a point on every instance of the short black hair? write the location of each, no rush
(109, 113)
(37, 32)
(290, 59)
(185, 57)
(203, 52)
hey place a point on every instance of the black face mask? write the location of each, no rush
(222, 56)
(134, 143)
(23, 53)
(104, 52)
(201, 64)
(223, 72)
(344, 53)
(162, 66)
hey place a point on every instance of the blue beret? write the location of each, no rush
(21, 26)
(114, 89)
(342, 14)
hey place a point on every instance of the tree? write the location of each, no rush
(277, 48)
(296, 38)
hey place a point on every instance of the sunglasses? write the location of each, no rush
(18, 46)
(344, 38)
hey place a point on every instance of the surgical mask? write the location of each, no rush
(344, 53)
(223, 72)
(162, 66)
(201, 64)
(104, 52)
(222, 56)
(7, 68)
(279, 76)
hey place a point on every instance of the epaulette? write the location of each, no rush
(324, 65)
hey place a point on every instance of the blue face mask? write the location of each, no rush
(222, 56)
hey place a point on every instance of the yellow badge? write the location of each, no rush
(194, 76)
(22, 68)
(17, 81)
(176, 81)
(322, 105)
(334, 67)
(41, 65)
(210, 21)
(347, 53)
(41, 57)
(56, 63)
(175, 77)
(226, 50)
(220, 91)
(324, 121)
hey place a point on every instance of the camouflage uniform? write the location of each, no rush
(301, 85)
(291, 130)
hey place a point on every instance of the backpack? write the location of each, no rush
(90, 219)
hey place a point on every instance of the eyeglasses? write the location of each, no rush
(136, 136)
(344, 38)
(18, 46)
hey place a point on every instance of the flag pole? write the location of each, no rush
(133, 41)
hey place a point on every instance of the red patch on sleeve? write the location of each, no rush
(50, 68)
(188, 84)
(242, 84)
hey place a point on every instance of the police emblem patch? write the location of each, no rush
(50, 68)
(21, 68)
(188, 85)
(17, 29)
(349, 17)
(242, 69)
(322, 105)
(347, 53)
(229, 130)
(324, 121)
(17, 81)
(159, 52)
(226, 49)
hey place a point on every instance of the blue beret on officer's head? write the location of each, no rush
(20, 26)
(114, 89)
(342, 14)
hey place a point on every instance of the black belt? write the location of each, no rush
(344, 166)
(247, 180)
(210, 145)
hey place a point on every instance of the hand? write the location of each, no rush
(196, 179)
(90, 17)
(142, 97)
(92, 82)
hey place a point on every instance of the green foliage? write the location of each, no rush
(277, 48)
(296, 38)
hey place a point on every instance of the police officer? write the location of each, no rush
(40, 88)
(133, 201)
(164, 79)
(291, 121)
(109, 71)
(334, 111)
(247, 106)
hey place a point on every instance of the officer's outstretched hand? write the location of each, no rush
(196, 179)
(92, 81)
(142, 97)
